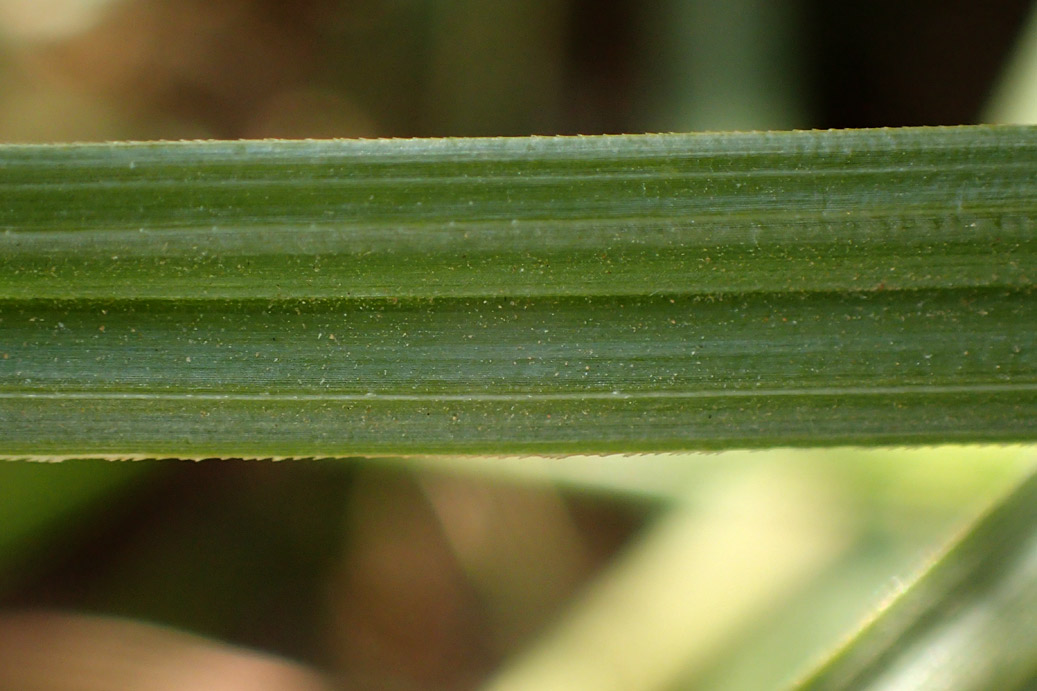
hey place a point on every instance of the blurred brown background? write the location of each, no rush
(155, 69)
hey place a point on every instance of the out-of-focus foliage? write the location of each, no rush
(147, 69)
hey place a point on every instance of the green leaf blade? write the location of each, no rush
(601, 294)
(628, 215)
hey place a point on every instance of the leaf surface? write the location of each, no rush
(552, 295)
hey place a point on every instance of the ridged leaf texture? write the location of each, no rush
(553, 295)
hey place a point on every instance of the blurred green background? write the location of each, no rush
(725, 571)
